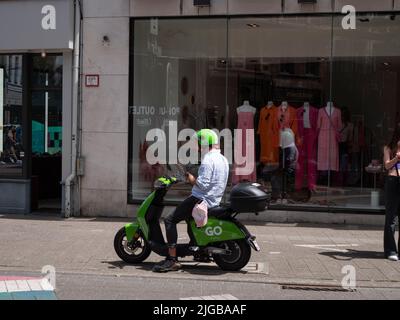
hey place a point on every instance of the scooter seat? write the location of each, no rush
(220, 212)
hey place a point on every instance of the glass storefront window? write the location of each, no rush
(179, 80)
(281, 65)
(321, 101)
(366, 89)
(11, 111)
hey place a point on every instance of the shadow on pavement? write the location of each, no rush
(353, 255)
(191, 267)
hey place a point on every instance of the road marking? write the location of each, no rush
(218, 297)
(329, 247)
(22, 288)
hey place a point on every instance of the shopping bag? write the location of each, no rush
(200, 214)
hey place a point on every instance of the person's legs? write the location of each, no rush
(300, 165)
(181, 213)
(392, 208)
(312, 161)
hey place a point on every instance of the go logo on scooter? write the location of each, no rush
(211, 232)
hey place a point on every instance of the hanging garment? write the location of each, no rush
(287, 119)
(245, 122)
(269, 135)
(328, 139)
(307, 146)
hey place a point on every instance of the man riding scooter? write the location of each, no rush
(209, 186)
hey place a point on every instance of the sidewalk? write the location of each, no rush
(301, 254)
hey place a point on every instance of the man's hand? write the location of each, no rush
(398, 156)
(191, 179)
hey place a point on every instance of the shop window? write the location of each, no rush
(179, 82)
(319, 121)
(11, 112)
(366, 94)
(285, 145)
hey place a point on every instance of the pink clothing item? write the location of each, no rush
(313, 121)
(307, 149)
(307, 160)
(328, 139)
(245, 122)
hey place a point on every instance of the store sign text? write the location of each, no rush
(151, 111)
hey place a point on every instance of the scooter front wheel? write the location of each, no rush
(135, 251)
(240, 253)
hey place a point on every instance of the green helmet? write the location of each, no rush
(207, 137)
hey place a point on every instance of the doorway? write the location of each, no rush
(46, 74)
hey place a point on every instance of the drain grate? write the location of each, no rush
(316, 288)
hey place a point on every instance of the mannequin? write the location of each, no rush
(307, 121)
(329, 108)
(246, 107)
(284, 180)
(269, 134)
(286, 117)
(284, 105)
(246, 114)
(306, 115)
(329, 125)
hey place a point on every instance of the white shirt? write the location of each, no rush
(213, 178)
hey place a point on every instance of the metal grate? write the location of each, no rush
(316, 288)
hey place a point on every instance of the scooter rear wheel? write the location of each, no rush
(239, 257)
(132, 252)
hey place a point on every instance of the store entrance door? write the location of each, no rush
(46, 125)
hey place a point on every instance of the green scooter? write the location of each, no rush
(223, 240)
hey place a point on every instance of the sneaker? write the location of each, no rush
(167, 265)
(393, 257)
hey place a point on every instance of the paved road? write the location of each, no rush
(82, 252)
(105, 287)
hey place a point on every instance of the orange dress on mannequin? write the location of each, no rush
(287, 119)
(269, 135)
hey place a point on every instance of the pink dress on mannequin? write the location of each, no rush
(328, 139)
(245, 122)
(308, 148)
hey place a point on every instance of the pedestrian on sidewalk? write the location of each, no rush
(392, 195)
